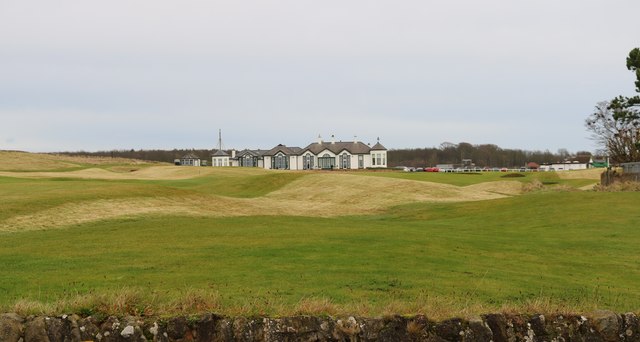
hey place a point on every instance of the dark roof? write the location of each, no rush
(220, 153)
(583, 158)
(378, 147)
(290, 151)
(580, 159)
(253, 153)
(190, 156)
(353, 147)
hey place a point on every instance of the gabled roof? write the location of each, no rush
(378, 147)
(190, 156)
(290, 151)
(353, 147)
(253, 153)
(220, 153)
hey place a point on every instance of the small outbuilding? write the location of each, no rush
(533, 165)
(220, 158)
(190, 160)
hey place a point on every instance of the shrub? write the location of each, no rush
(618, 187)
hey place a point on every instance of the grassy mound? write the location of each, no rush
(25, 162)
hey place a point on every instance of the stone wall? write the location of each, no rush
(597, 326)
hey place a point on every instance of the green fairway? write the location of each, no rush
(554, 249)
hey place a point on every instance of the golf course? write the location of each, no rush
(119, 236)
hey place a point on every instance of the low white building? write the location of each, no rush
(576, 163)
(190, 160)
(323, 155)
(249, 158)
(220, 158)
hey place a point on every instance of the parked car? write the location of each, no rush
(431, 169)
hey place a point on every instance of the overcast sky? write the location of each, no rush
(142, 74)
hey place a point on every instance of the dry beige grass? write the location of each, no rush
(581, 174)
(317, 195)
(88, 211)
(136, 301)
(344, 194)
(23, 161)
(160, 172)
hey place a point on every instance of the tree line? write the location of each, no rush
(167, 156)
(485, 155)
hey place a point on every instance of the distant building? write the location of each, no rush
(600, 162)
(533, 165)
(249, 158)
(220, 158)
(190, 160)
(347, 155)
(351, 155)
(580, 162)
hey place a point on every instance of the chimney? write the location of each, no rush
(319, 140)
(233, 153)
(333, 139)
(355, 139)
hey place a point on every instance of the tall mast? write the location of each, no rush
(219, 139)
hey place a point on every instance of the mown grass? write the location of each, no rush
(573, 249)
(23, 195)
(234, 185)
(543, 250)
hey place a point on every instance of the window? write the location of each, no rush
(280, 161)
(326, 161)
(360, 161)
(373, 159)
(307, 160)
(248, 161)
(345, 161)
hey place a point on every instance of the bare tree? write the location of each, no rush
(618, 134)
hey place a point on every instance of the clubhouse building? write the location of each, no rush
(319, 155)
